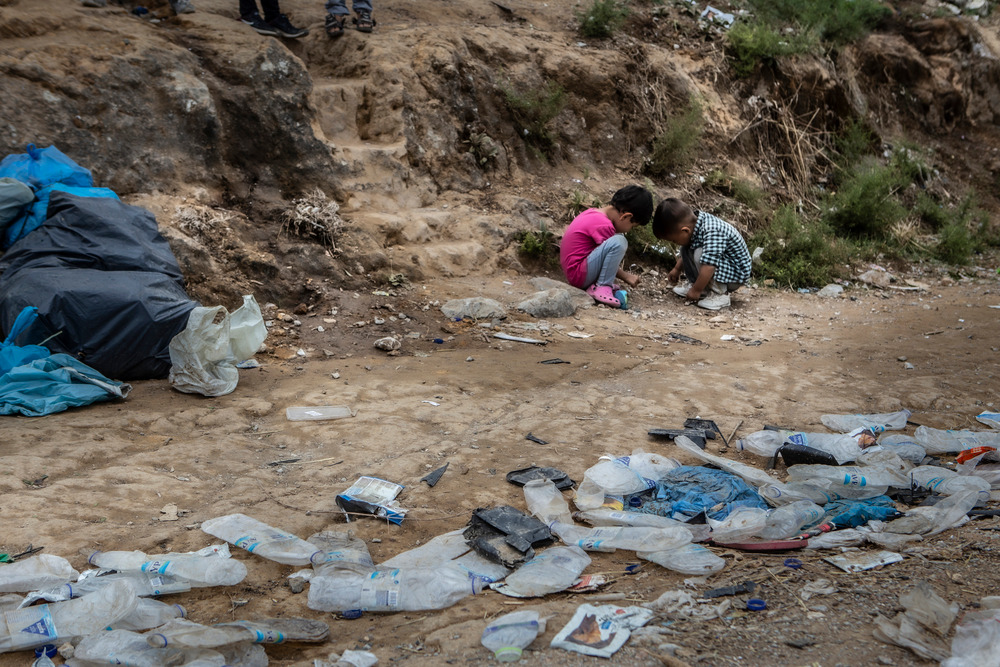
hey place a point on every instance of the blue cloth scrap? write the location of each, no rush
(687, 491)
(54, 384)
(846, 513)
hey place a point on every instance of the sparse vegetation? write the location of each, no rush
(798, 252)
(314, 216)
(483, 148)
(579, 201)
(602, 18)
(539, 245)
(533, 109)
(742, 191)
(675, 146)
(749, 44)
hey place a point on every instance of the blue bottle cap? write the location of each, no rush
(793, 563)
(351, 614)
(49, 651)
(635, 501)
(756, 604)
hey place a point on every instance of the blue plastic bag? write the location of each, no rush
(38, 211)
(41, 167)
(12, 356)
(54, 384)
(846, 513)
(687, 491)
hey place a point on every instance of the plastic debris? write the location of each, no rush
(506, 535)
(550, 571)
(863, 560)
(434, 476)
(510, 634)
(600, 631)
(525, 475)
(925, 619)
(371, 495)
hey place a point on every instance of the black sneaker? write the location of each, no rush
(286, 29)
(260, 25)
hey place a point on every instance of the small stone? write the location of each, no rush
(469, 359)
(377, 540)
(335, 376)
(908, 366)
(296, 584)
(900, 358)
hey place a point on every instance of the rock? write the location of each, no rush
(876, 278)
(389, 344)
(550, 303)
(477, 308)
(580, 298)
(980, 7)
(830, 291)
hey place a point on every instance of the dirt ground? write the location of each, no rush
(469, 401)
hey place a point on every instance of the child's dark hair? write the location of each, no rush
(670, 213)
(636, 200)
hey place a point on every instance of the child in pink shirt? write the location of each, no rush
(594, 244)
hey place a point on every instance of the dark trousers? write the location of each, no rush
(270, 7)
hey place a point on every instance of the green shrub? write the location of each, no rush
(930, 212)
(644, 245)
(742, 191)
(602, 19)
(955, 243)
(675, 146)
(533, 109)
(538, 244)
(909, 164)
(864, 206)
(579, 201)
(835, 21)
(749, 44)
(798, 253)
(854, 142)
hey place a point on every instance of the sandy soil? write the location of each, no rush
(111, 468)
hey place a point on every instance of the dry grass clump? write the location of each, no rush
(314, 216)
(203, 220)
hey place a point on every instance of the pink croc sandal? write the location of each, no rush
(604, 294)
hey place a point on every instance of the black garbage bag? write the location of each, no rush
(106, 285)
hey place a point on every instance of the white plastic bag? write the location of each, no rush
(246, 329)
(201, 357)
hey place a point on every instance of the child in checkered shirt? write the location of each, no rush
(713, 255)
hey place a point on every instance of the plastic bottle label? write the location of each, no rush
(855, 479)
(155, 566)
(31, 626)
(381, 591)
(798, 439)
(267, 636)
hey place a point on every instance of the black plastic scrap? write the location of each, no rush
(525, 475)
(535, 438)
(707, 425)
(557, 360)
(506, 535)
(434, 476)
(746, 587)
(684, 339)
(696, 435)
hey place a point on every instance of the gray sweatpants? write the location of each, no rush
(604, 260)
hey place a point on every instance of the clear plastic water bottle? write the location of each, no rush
(39, 572)
(948, 482)
(342, 551)
(693, 559)
(150, 614)
(845, 447)
(610, 538)
(60, 621)
(550, 571)
(938, 441)
(782, 494)
(145, 584)
(124, 647)
(183, 633)
(409, 589)
(259, 538)
(903, 446)
(510, 634)
(450, 548)
(608, 517)
(788, 520)
(849, 476)
(201, 571)
(877, 423)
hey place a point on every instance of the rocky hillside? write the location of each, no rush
(238, 142)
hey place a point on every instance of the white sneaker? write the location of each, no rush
(683, 289)
(714, 302)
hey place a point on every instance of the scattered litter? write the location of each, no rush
(727, 337)
(684, 339)
(863, 560)
(248, 364)
(991, 419)
(435, 404)
(681, 604)
(920, 627)
(551, 571)
(519, 339)
(600, 631)
(283, 462)
(756, 604)
(745, 587)
(579, 334)
(557, 360)
(434, 477)
(534, 438)
(510, 634)
(317, 413)
(371, 495)
(718, 16)
(793, 563)
(506, 535)
(525, 475)
(817, 587)
(389, 344)
(588, 583)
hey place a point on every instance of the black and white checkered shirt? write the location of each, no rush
(723, 247)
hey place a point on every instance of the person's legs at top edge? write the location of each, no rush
(363, 20)
(602, 267)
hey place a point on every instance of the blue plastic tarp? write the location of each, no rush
(846, 513)
(12, 355)
(687, 491)
(54, 384)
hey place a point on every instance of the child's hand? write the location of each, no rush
(674, 276)
(631, 279)
(694, 294)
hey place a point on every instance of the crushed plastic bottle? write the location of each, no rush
(784, 493)
(149, 614)
(183, 633)
(743, 523)
(903, 446)
(789, 520)
(948, 482)
(201, 571)
(450, 548)
(342, 551)
(35, 573)
(608, 517)
(261, 539)
(546, 502)
(693, 559)
(938, 441)
(849, 476)
(124, 647)
(844, 447)
(877, 423)
(409, 589)
(145, 584)
(622, 537)
(61, 621)
(510, 634)
(628, 474)
(550, 571)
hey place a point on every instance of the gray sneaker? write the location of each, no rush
(715, 302)
(682, 289)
